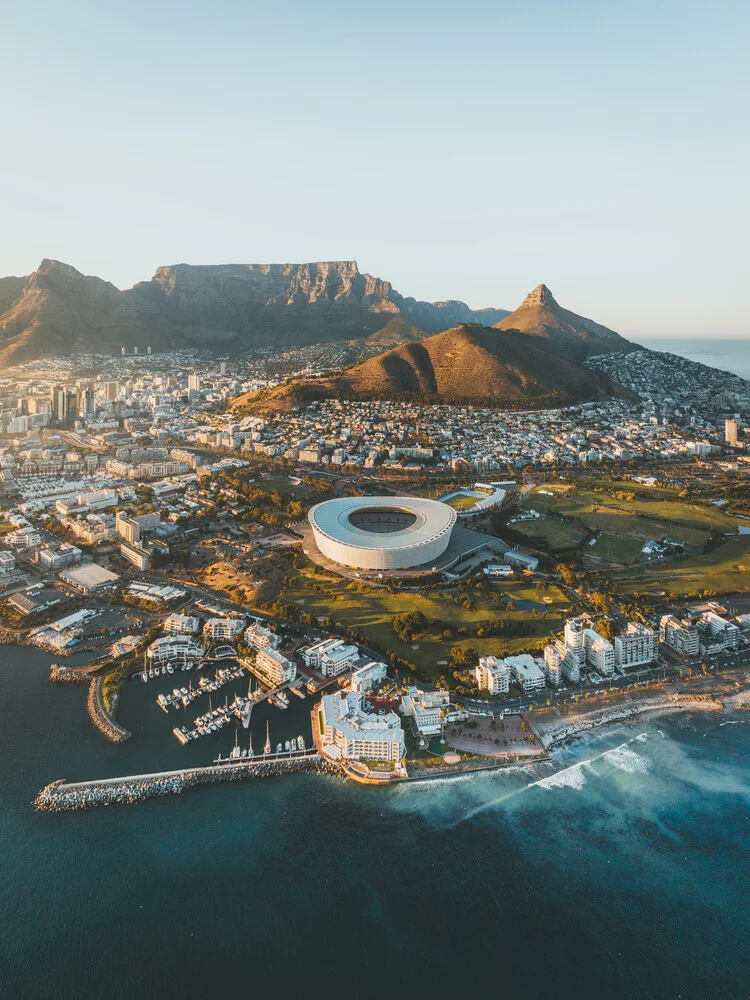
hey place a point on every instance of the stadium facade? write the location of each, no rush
(382, 533)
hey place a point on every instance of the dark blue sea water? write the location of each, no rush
(728, 354)
(623, 876)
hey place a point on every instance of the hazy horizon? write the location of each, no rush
(464, 153)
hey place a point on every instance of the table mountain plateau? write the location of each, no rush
(230, 307)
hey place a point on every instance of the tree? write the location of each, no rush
(606, 629)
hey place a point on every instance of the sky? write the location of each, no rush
(463, 150)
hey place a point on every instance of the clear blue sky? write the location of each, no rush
(467, 150)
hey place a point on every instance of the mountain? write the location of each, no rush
(565, 332)
(58, 310)
(467, 364)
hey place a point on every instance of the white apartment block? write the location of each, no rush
(636, 646)
(347, 732)
(331, 657)
(180, 624)
(680, 634)
(600, 653)
(180, 649)
(223, 628)
(721, 630)
(369, 677)
(492, 675)
(527, 671)
(260, 637)
(274, 667)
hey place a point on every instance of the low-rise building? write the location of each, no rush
(429, 710)
(7, 562)
(331, 657)
(723, 634)
(57, 555)
(527, 671)
(369, 676)
(86, 579)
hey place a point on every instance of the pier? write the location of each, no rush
(62, 796)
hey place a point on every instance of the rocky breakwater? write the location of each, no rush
(566, 729)
(60, 796)
(60, 674)
(101, 717)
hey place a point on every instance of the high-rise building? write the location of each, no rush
(111, 390)
(636, 646)
(730, 432)
(194, 382)
(87, 404)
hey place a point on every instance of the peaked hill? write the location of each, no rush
(565, 332)
(469, 364)
(231, 307)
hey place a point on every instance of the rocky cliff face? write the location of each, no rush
(58, 310)
(565, 332)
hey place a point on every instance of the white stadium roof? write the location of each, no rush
(400, 546)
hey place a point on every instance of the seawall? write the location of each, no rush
(61, 796)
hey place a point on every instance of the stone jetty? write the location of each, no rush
(101, 718)
(61, 796)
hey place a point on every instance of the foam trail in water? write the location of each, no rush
(562, 779)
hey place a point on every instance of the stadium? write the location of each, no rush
(382, 533)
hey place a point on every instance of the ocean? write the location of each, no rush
(623, 875)
(731, 355)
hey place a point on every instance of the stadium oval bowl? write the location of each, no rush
(382, 533)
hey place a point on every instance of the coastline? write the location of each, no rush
(566, 730)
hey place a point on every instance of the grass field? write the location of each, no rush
(370, 610)
(616, 549)
(724, 570)
(463, 501)
(638, 518)
(284, 487)
(549, 534)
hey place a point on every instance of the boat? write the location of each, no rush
(267, 747)
(287, 746)
(301, 742)
(279, 748)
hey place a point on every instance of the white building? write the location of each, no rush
(637, 645)
(7, 562)
(493, 675)
(680, 634)
(347, 732)
(259, 637)
(600, 653)
(180, 625)
(527, 671)
(369, 677)
(274, 667)
(721, 631)
(223, 628)
(428, 710)
(331, 657)
(179, 649)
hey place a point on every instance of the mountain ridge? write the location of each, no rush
(57, 309)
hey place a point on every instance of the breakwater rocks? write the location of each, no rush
(101, 718)
(62, 797)
(69, 675)
(8, 638)
(567, 730)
